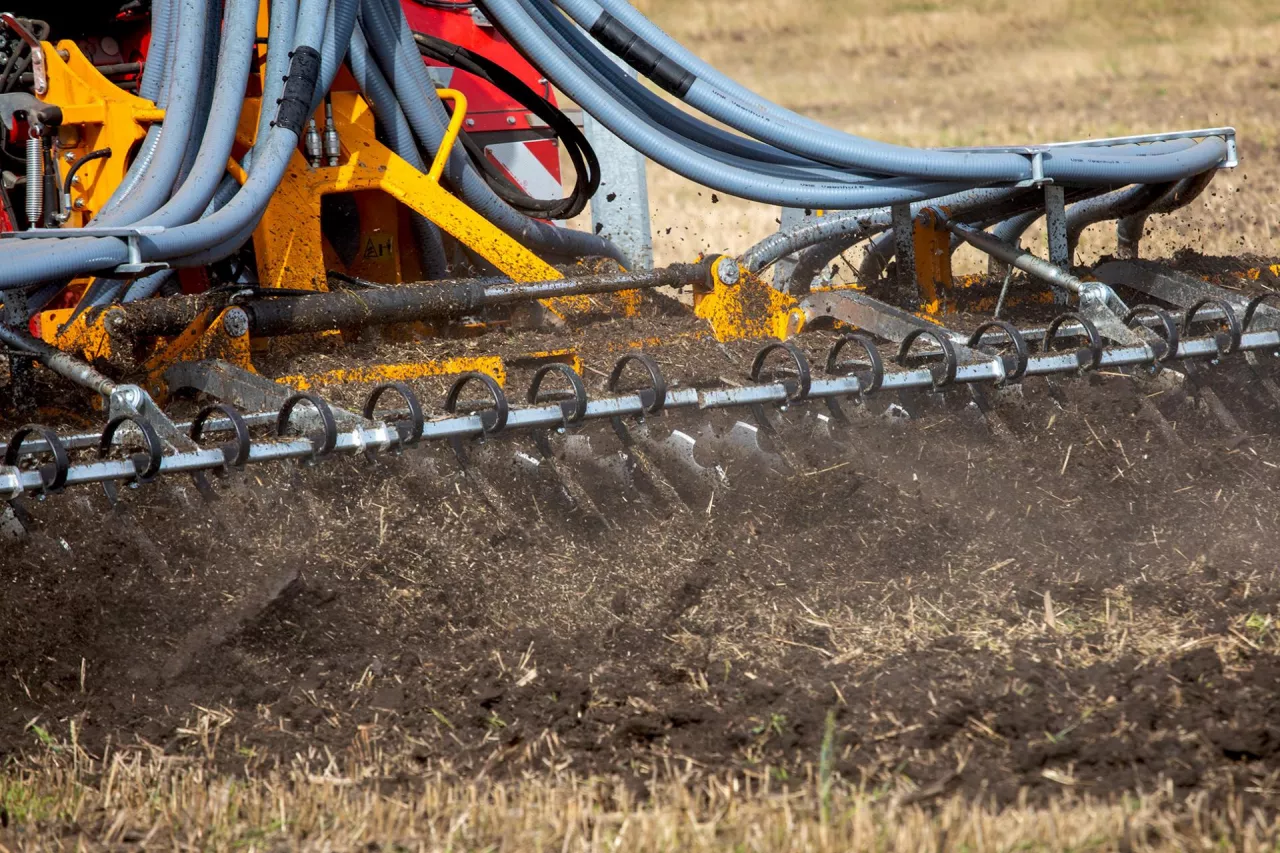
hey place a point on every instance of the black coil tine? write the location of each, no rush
(492, 421)
(1093, 351)
(1253, 305)
(408, 432)
(146, 465)
(329, 441)
(1169, 345)
(235, 454)
(571, 411)
(873, 357)
(1021, 351)
(950, 360)
(1234, 332)
(798, 389)
(53, 475)
(654, 398)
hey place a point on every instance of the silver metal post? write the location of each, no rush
(904, 245)
(1055, 214)
(620, 209)
(791, 217)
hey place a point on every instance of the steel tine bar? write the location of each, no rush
(380, 437)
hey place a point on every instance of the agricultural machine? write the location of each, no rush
(201, 197)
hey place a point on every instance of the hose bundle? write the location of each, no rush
(198, 70)
(749, 147)
(772, 155)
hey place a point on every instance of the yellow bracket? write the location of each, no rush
(747, 309)
(87, 334)
(288, 240)
(96, 113)
(217, 333)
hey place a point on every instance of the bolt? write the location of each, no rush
(727, 271)
(70, 156)
(471, 122)
(78, 204)
(118, 321)
(235, 322)
(130, 396)
(511, 119)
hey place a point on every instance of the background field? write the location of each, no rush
(979, 72)
(932, 640)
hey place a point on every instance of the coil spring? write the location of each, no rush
(35, 180)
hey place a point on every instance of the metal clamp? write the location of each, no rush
(950, 359)
(654, 398)
(319, 448)
(53, 475)
(135, 267)
(234, 453)
(1021, 352)
(835, 368)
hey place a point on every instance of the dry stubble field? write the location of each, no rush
(921, 636)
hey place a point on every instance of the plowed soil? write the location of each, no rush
(1067, 586)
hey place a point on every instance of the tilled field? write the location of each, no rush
(1071, 595)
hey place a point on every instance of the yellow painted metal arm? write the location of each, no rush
(451, 133)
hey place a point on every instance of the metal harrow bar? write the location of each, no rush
(916, 368)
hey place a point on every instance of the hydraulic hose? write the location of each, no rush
(554, 56)
(232, 75)
(855, 226)
(36, 263)
(71, 257)
(1112, 205)
(685, 129)
(333, 50)
(271, 161)
(879, 252)
(221, 113)
(157, 50)
(204, 102)
(785, 130)
(158, 77)
(1130, 229)
(393, 46)
(586, 166)
(283, 22)
(962, 207)
(157, 178)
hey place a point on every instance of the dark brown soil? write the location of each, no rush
(1075, 591)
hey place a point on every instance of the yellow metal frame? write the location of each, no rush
(748, 309)
(96, 113)
(288, 241)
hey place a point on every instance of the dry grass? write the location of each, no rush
(963, 72)
(139, 801)
(999, 72)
